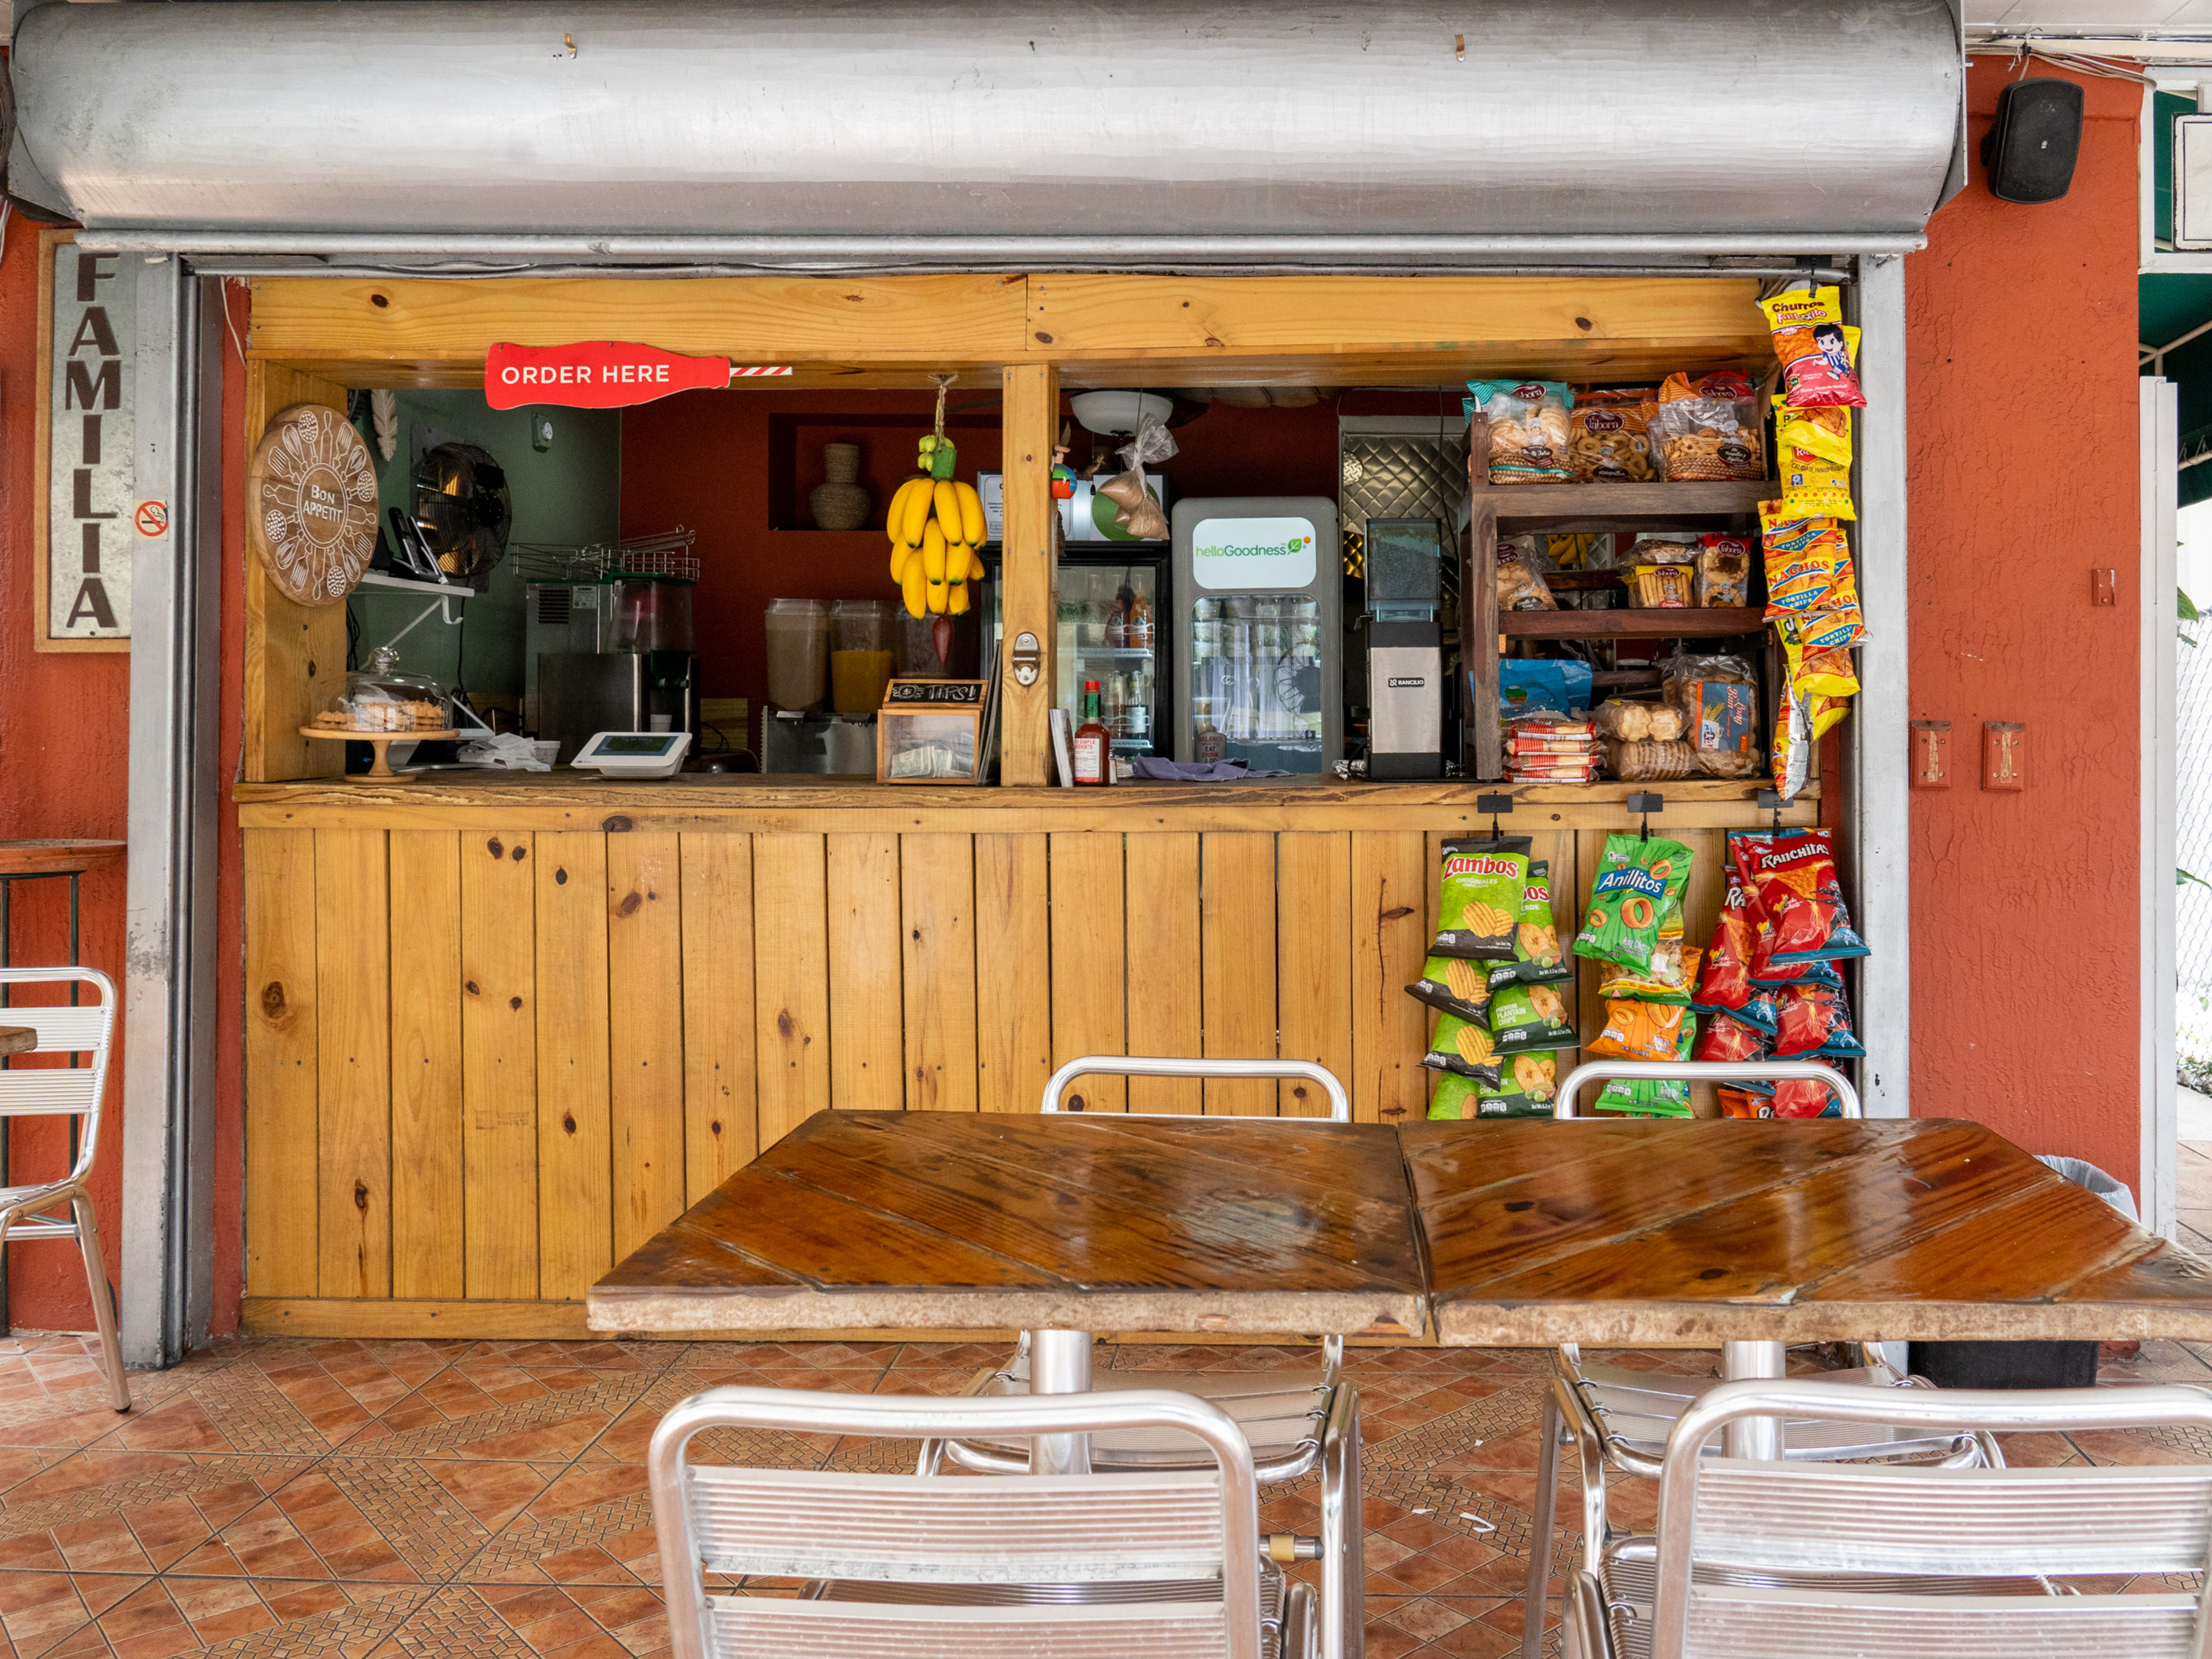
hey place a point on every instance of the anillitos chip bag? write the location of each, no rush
(1538, 958)
(1814, 347)
(1485, 879)
(1790, 880)
(1638, 881)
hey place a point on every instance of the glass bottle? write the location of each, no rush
(1093, 745)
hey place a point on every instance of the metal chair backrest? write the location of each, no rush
(39, 1084)
(1705, 1071)
(1778, 1519)
(1127, 1529)
(1340, 1104)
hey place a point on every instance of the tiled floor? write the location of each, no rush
(486, 1500)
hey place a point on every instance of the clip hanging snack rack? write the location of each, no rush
(669, 553)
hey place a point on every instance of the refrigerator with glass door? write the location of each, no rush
(1113, 629)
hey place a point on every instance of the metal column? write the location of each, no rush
(1877, 830)
(168, 980)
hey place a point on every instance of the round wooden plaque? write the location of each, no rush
(310, 504)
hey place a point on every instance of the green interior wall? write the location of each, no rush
(570, 493)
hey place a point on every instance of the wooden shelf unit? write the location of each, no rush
(1687, 623)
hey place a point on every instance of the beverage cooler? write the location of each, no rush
(1258, 597)
(1113, 629)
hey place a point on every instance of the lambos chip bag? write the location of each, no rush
(1453, 985)
(1638, 882)
(1462, 1047)
(1789, 876)
(1485, 879)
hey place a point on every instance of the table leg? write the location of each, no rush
(1752, 1437)
(1059, 1362)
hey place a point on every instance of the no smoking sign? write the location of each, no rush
(152, 518)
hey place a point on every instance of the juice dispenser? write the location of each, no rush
(1259, 593)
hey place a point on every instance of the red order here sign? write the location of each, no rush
(600, 374)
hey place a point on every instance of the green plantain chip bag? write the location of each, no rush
(1525, 1019)
(1537, 957)
(1638, 883)
(1528, 1090)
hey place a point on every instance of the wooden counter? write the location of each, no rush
(502, 1028)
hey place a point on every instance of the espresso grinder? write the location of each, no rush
(1404, 649)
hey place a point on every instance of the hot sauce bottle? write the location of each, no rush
(1093, 744)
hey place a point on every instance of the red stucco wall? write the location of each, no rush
(2023, 434)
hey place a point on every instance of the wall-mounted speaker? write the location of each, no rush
(2031, 150)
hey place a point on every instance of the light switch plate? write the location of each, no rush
(2004, 755)
(1931, 754)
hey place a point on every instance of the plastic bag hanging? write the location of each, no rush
(1135, 509)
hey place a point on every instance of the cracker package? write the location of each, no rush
(1464, 1047)
(1815, 348)
(1453, 985)
(1521, 583)
(1528, 1090)
(1723, 572)
(1479, 909)
(1527, 421)
(1708, 429)
(1537, 956)
(1525, 1019)
(1638, 882)
(1608, 436)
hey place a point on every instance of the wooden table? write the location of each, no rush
(17, 1039)
(1623, 1233)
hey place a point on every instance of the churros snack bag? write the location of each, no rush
(1464, 1047)
(1479, 909)
(1537, 956)
(1453, 985)
(1815, 348)
(1638, 882)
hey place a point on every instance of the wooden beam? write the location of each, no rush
(1031, 604)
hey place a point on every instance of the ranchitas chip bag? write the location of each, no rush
(1478, 910)
(1638, 881)
(1537, 956)
(1790, 877)
(1462, 1047)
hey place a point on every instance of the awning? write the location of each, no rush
(778, 131)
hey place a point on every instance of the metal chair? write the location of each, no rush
(1758, 1556)
(77, 1091)
(1294, 1422)
(1616, 1418)
(1161, 1565)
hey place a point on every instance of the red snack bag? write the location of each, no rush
(1742, 1103)
(1789, 876)
(1725, 982)
(1805, 1098)
(1730, 1041)
(1816, 1020)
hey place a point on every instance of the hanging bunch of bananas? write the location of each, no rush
(936, 526)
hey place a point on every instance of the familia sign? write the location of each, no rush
(604, 374)
(95, 516)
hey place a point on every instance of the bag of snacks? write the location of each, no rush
(1529, 685)
(1528, 1090)
(1814, 1021)
(1651, 1097)
(1638, 882)
(1464, 1047)
(1651, 761)
(1632, 722)
(1718, 698)
(1659, 587)
(1454, 985)
(1639, 1030)
(1818, 435)
(1523, 1017)
(1538, 958)
(1521, 583)
(1479, 905)
(1723, 572)
(1707, 429)
(1724, 981)
(1730, 1041)
(1793, 744)
(1814, 347)
(1608, 439)
(1825, 671)
(1815, 483)
(1663, 547)
(1527, 429)
(1673, 971)
(1790, 876)
(1792, 1098)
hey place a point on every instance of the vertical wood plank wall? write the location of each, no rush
(484, 1065)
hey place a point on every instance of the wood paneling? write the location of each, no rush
(1165, 999)
(1089, 966)
(575, 1119)
(721, 1111)
(937, 888)
(1013, 972)
(1237, 968)
(499, 1066)
(1313, 984)
(1030, 427)
(425, 1064)
(1390, 877)
(354, 1070)
(645, 975)
(867, 1048)
(791, 981)
(282, 1044)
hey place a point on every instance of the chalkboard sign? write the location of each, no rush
(956, 693)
